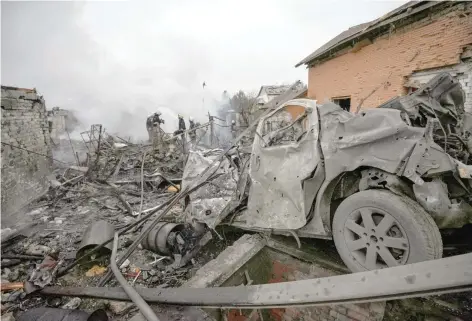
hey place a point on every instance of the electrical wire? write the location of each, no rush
(30, 151)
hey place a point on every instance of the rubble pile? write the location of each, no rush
(121, 184)
(121, 160)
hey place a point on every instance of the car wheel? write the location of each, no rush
(376, 229)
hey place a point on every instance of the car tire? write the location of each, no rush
(377, 229)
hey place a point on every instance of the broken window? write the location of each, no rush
(343, 102)
(286, 126)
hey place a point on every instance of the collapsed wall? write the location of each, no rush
(24, 173)
(60, 122)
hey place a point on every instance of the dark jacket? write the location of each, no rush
(182, 124)
(157, 119)
(153, 119)
(192, 124)
(149, 121)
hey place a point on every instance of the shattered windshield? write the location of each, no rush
(286, 126)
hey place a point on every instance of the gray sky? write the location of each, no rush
(116, 62)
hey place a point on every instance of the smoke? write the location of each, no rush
(116, 62)
(72, 70)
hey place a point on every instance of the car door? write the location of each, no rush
(285, 152)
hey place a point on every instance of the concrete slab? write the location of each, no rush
(220, 269)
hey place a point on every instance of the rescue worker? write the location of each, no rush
(149, 125)
(157, 118)
(182, 127)
(191, 122)
(233, 128)
(157, 121)
(192, 133)
(153, 125)
(182, 123)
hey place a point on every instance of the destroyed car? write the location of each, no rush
(381, 183)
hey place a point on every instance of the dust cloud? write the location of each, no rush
(72, 70)
(116, 62)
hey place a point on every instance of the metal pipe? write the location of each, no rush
(22, 257)
(212, 133)
(142, 185)
(76, 157)
(188, 131)
(130, 291)
(448, 275)
(156, 240)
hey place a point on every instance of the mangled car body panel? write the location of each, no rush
(285, 153)
(375, 138)
(306, 157)
(208, 203)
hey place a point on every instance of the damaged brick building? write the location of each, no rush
(370, 63)
(25, 141)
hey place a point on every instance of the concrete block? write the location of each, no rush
(357, 308)
(342, 317)
(356, 315)
(218, 270)
(377, 311)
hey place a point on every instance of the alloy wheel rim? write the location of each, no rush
(375, 239)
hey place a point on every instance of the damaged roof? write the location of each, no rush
(274, 90)
(364, 30)
(296, 90)
(18, 88)
(343, 35)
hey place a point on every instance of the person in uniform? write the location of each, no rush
(156, 122)
(149, 126)
(233, 129)
(153, 126)
(193, 132)
(182, 126)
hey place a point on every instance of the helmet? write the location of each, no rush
(180, 116)
(190, 118)
(233, 122)
(158, 113)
